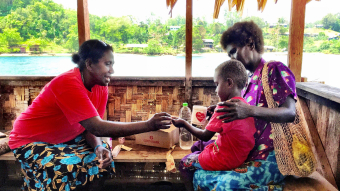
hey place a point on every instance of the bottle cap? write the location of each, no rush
(185, 104)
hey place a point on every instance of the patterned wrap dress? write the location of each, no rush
(260, 172)
(63, 166)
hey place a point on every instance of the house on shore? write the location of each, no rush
(269, 48)
(35, 48)
(174, 28)
(209, 43)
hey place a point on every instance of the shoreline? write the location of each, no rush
(70, 54)
(179, 55)
(26, 54)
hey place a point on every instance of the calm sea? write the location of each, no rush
(316, 66)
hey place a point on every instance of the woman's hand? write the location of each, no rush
(210, 111)
(104, 157)
(178, 122)
(159, 121)
(236, 109)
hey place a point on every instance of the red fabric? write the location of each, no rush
(54, 115)
(235, 141)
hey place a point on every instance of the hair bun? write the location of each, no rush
(75, 58)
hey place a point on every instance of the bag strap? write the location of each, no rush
(267, 91)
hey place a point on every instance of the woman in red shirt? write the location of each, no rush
(57, 139)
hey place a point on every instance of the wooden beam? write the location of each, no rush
(83, 21)
(296, 33)
(188, 53)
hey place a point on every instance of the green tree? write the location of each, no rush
(282, 20)
(321, 36)
(329, 21)
(325, 45)
(231, 18)
(179, 37)
(153, 47)
(282, 30)
(197, 42)
(259, 21)
(3, 45)
(283, 42)
(12, 37)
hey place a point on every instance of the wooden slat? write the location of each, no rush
(133, 109)
(188, 52)
(129, 92)
(314, 182)
(332, 143)
(142, 153)
(296, 33)
(83, 21)
(332, 94)
(7, 156)
(128, 116)
(323, 167)
(145, 156)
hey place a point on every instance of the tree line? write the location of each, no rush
(54, 29)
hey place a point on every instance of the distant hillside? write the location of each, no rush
(327, 32)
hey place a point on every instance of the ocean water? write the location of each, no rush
(315, 66)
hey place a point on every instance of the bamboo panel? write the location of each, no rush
(129, 93)
(128, 103)
(128, 116)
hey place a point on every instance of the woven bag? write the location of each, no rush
(292, 145)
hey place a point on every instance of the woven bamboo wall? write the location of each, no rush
(129, 100)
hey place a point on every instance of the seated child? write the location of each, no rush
(235, 139)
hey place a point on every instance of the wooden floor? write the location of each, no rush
(112, 185)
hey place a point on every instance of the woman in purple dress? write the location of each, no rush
(244, 42)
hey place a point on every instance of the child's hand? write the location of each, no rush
(178, 122)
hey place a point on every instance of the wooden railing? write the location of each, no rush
(133, 98)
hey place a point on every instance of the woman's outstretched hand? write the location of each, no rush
(236, 109)
(160, 121)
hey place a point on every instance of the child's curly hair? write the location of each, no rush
(241, 33)
(235, 70)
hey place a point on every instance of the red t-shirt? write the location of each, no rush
(54, 115)
(233, 144)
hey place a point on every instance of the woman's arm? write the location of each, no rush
(239, 110)
(204, 135)
(92, 140)
(102, 128)
(103, 154)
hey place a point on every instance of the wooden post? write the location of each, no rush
(296, 33)
(83, 21)
(188, 53)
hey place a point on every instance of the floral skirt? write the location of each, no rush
(258, 175)
(63, 166)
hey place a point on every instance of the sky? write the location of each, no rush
(142, 9)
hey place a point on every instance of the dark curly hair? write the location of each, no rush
(241, 33)
(235, 70)
(90, 49)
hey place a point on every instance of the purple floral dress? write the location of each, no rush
(260, 172)
(282, 81)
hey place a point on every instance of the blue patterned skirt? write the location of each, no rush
(258, 175)
(63, 166)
